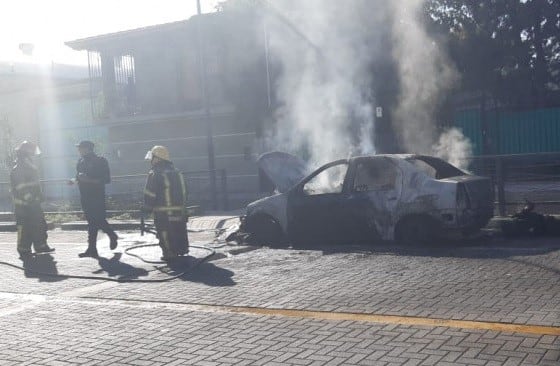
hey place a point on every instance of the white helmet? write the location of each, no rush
(158, 152)
(28, 148)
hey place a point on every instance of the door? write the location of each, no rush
(315, 205)
(373, 198)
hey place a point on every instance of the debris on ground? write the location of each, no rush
(529, 223)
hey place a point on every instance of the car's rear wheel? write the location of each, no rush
(416, 230)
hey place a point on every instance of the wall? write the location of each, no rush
(186, 137)
(512, 132)
(61, 126)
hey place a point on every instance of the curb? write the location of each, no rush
(117, 225)
(11, 227)
(8, 227)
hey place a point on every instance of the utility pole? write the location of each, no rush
(206, 102)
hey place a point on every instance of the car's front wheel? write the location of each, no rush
(264, 230)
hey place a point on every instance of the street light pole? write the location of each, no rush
(207, 117)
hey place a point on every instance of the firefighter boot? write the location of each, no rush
(91, 252)
(44, 249)
(113, 243)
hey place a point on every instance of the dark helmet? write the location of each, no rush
(86, 144)
(27, 148)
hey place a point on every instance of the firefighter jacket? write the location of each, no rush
(92, 166)
(25, 186)
(165, 190)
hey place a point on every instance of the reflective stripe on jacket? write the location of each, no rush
(165, 189)
(25, 185)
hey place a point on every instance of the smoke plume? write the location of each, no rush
(453, 147)
(324, 48)
(425, 74)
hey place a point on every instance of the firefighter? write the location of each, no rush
(92, 174)
(166, 195)
(27, 196)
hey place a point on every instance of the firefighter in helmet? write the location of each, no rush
(166, 195)
(27, 196)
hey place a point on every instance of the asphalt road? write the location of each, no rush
(485, 302)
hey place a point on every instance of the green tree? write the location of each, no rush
(508, 48)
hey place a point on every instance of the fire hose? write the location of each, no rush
(144, 228)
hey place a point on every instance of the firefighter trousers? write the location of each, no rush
(32, 229)
(172, 234)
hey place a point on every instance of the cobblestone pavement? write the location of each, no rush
(52, 321)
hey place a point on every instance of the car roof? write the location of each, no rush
(366, 157)
(391, 156)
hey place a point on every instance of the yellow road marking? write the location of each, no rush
(343, 316)
(396, 319)
(292, 313)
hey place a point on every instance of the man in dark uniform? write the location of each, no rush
(166, 196)
(27, 195)
(92, 176)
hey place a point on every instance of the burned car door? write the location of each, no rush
(374, 194)
(315, 205)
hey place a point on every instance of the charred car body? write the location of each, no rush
(410, 198)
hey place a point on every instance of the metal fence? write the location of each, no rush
(521, 177)
(125, 193)
(534, 177)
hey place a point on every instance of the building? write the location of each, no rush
(197, 86)
(38, 103)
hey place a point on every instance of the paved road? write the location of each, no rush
(491, 302)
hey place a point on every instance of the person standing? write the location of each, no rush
(92, 174)
(165, 195)
(27, 197)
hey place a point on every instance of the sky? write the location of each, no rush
(47, 24)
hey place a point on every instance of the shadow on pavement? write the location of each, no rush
(42, 267)
(115, 268)
(211, 275)
(555, 270)
(488, 249)
(485, 247)
(206, 272)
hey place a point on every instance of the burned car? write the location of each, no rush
(408, 198)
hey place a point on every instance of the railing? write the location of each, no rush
(534, 177)
(125, 193)
(521, 177)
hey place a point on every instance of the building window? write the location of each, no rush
(112, 85)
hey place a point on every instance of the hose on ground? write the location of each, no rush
(144, 228)
(121, 280)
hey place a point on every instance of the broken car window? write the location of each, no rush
(427, 169)
(330, 180)
(435, 168)
(375, 175)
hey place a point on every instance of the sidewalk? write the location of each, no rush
(335, 306)
(214, 220)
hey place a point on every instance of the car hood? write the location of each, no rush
(283, 169)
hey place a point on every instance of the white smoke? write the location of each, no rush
(426, 74)
(324, 49)
(453, 147)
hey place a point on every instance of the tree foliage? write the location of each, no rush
(510, 48)
(507, 48)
